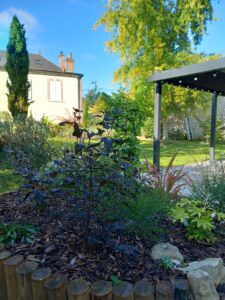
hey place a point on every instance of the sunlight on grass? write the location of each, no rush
(187, 153)
(8, 181)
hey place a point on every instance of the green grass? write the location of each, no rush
(8, 181)
(187, 153)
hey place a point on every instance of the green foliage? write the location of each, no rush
(209, 184)
(92, 94)
(199, 218)
(28, 142)
(101, 104)
(57, 130)
(144, 211)
(205, 126)
(169, 181)
(115, 280)
(166, 263)
(151, 33)
(148, 128)
(17, 66)
(11, 233)
(5, 130)
(153, 36)
(127, 120)
(5, 116)
(96, 171)
(86, 115)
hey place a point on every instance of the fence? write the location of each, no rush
(23, 280)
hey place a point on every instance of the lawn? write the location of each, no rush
(187, 153)
(8, 181)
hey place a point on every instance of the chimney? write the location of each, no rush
(62, 61)
(70, 63)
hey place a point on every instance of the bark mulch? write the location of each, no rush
(112, 251)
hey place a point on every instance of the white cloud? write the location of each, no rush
(30, 22)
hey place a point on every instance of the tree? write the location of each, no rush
(148, 35)
(92, 94)
(17, 66)
(153, 36)
(101, 103)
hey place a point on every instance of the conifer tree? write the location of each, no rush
(17, 66)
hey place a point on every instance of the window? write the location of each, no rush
(55, 90)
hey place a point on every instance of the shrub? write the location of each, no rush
(148, 128)
(143, 212)
(64, 129)
(5, 132)
(127, 120)
(167, 263)
(5, 116)
(198, 217)
(11, 233)
(95, 172)
(29, 143)
(209, 184)
(170, 181)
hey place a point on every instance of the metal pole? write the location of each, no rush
(157, 115)
(213, 127)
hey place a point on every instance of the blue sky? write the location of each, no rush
(67, 25)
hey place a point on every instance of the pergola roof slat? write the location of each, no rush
(205, 67)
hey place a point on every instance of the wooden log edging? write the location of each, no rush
(23, 280)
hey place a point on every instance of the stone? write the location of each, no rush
(166, 250)
(213, 266)
(202, 286)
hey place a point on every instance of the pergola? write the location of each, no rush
(207, 76)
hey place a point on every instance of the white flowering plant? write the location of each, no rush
(209, 184)
(199, 218)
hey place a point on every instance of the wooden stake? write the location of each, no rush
(24, 272)
(164, 291)
(3, 287)
(143, 291)
(56, 287)
(182, 291)
(101, 290)
(10, 266)
(38, 280)
(78, 289)
(123, 291)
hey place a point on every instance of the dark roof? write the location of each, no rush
(39, 64)
(207, 76)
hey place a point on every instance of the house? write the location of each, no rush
(54, 90)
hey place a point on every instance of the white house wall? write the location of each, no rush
(41, 105)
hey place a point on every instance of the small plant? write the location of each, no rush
(209, 184)
(11, 233)
(198, 217)
(170, 181)
(115, 280)
(166, 263)
(143, 213)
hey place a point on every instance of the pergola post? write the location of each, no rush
(157, 116)
(213, 127)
